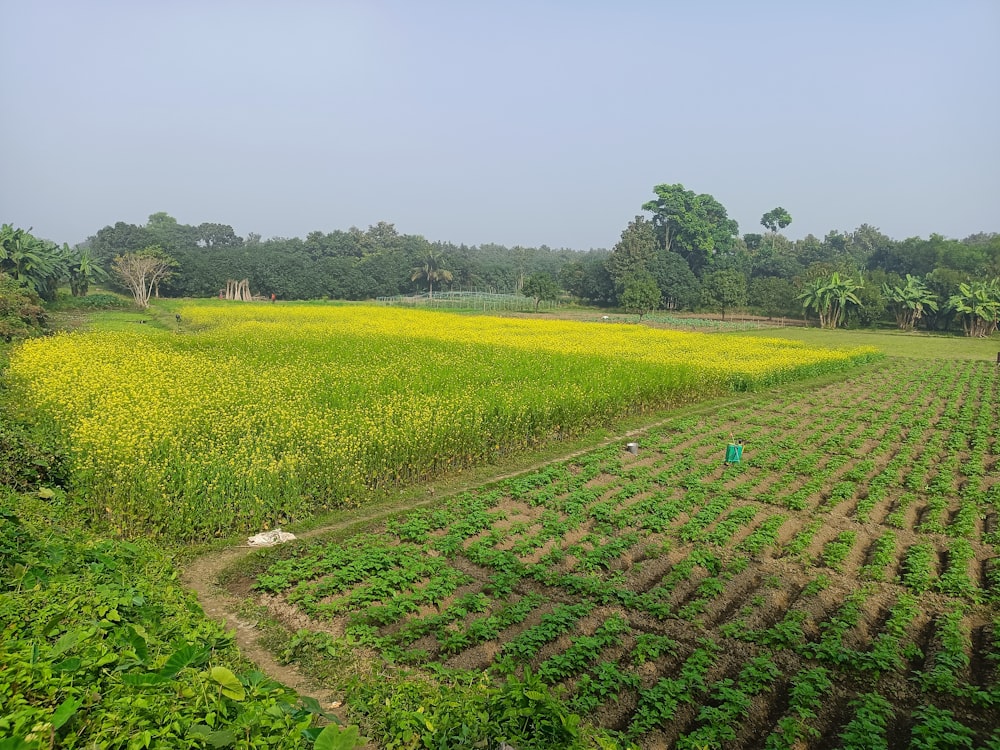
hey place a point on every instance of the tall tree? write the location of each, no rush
(775, 219)
(170, 234)
(724, 290)
(634, 252)
(141, 272)
(541, 286)
(695, 226)
(431, 270)
(679, 287)
(213, 235)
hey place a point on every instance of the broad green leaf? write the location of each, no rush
(231, 686)
(144, 679)
(183, 657)
(221, 738)
(311, 705)
(15, 743)
(138, 644)
(215, 738)
(534, 695)
(67, 665)
(65, 711)
(336, 738)
(70, 639)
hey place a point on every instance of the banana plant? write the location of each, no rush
(830, 298)
(83, 271)
(36, 264)
(977, 305)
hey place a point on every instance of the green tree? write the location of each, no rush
(588, 278)
(753, 241)
(634, 252)
(142, 272)
(814, 298)
(909, 302)
(431, 270)
(117, 240)
(943, 283)
(695, 226)
(772, 296)
(541, 286)
(775, 219)
(872, 306)
(724, 290)
(772, 221)
(640, 294)
(213, 235)
(679, 287)
(170, 234)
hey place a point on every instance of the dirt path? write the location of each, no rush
(202, 574)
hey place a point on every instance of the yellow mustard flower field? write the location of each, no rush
(252, 415)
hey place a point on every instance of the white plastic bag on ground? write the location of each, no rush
(269, 538)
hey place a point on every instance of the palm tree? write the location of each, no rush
(430, 269)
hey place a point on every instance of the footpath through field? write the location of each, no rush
(204, 573)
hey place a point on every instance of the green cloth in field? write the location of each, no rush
(734, 453)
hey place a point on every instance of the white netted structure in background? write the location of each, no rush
(469, 301)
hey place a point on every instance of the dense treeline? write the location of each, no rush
(688, 255)
(351, 264)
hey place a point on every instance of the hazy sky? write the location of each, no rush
(512, 122)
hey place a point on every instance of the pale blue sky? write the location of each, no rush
(513, 122)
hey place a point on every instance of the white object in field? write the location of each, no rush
(269, 538)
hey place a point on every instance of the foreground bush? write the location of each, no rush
(101, 647)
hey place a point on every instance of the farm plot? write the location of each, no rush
(838, 589)
(258, 415)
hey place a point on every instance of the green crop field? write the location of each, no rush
(839, 588)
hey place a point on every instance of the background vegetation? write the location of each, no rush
(686, 254)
